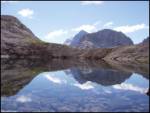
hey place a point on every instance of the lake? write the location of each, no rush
(73, 86)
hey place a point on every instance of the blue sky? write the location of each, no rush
(56, 21)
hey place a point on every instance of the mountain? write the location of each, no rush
(15, 36)
(101, 39)
(77, 38)
(18, 41)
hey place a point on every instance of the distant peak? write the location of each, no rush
(82, 31)
(108, 30)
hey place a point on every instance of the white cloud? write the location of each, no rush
(26, 13)
(107, 91)
(87, 70)
(86, 86)
(91, 2)
(57, 36)
(108, 24)
(88, 28)
(125, 86)
(53, 79)
(23, 99)
(56, 33)
(131, 28)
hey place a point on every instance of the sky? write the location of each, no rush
(56, 21)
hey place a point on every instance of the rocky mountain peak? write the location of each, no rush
(101, 39)
(76, 39)
(13, 25)
(82, 32)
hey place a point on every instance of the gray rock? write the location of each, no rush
(77, 38)
(101, 39)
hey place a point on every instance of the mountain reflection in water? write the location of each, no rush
(68, 85)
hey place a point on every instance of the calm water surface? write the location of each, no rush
(69, 87)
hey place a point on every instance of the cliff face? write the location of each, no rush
(101, 39)
(77, 38)
(16, 38)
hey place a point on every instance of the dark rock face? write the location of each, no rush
(101, 39)
(77, 38)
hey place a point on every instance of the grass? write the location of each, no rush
(34, 41)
